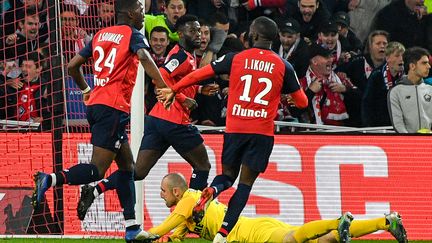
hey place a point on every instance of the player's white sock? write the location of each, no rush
(53, 179)
(130, 222)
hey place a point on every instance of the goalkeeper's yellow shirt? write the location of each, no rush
(246, 229)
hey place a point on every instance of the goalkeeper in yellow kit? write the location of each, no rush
(175, 192)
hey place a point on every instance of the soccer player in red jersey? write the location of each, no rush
(164, 128)
(257, 78)
(116, 52)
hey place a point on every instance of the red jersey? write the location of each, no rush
(257, 79)
(26, 104)
(115, 65)
(178, 64)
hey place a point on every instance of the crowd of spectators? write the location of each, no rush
(24, 81)
(347, 54)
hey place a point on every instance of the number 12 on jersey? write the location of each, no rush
(258, 98)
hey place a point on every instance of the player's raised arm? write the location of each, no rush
(74, 69)
(150, 67)
(194, 77)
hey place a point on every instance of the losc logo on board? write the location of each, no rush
(15, 205)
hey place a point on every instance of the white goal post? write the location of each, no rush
(137, 131)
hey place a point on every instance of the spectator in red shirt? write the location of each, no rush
(33, 95)
(27, 95)
(325, 89)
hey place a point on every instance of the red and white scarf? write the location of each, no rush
(389, 80)
(367, 68)
(331, 111)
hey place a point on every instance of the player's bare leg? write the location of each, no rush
(198, 159)
(145, 162)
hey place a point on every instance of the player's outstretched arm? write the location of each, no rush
(74, 70)
(151, 68)
(171, 222)
(194, 77)
(167, 95)
(179, 233)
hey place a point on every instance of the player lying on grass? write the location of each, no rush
(175, 193)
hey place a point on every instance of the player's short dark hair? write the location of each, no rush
(266, 28)
(204, 22)
(169, 1)
(159, 29)
(181, 22)
(124, 5)
(413, 55)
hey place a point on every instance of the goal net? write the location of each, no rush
(43, 123)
